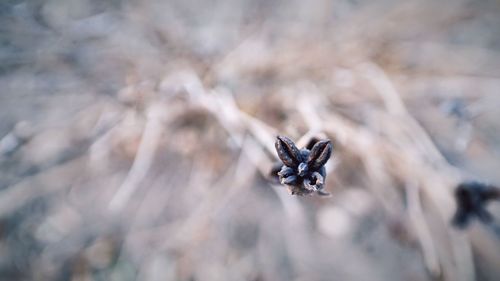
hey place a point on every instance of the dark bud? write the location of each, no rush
(483, 215)
(320, 153)
(315, 183)
(302, 169)
(285, 171)
(311, 143)
(490, 193)
(461, 218)
(288, 152)
(287, 176)
(290, 180)
(273, 175)
(471, 198)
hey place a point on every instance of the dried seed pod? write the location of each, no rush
(288, 152)
(273, 175)
(286, 171)
(319, 180)
(303, 170)
(471, 198)
(290, 180)
(311, 143)
(309, 185)
(490, 193)
(320, 153)
(315, 182)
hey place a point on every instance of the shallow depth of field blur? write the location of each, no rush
(136, 138)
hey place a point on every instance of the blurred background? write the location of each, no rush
(136, 138)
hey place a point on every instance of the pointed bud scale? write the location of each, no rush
(288, 152)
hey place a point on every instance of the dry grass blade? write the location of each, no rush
(149, 142)
(423, 233)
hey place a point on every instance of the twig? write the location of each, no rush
(395, 106)
(143, 160)
(39, 185)
(423, 233)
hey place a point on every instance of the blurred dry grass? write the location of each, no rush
(136, 138)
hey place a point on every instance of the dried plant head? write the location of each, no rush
(303, 170)
(472, 198)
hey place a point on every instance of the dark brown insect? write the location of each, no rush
(303, 169)
(471, 198)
